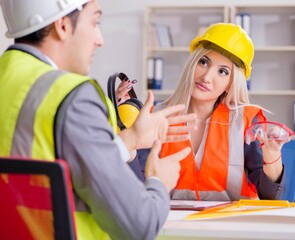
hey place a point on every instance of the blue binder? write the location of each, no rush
(288, 156)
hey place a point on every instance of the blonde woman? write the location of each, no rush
(213, 86)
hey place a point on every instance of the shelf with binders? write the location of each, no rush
(272, 82)
(181, 24)
(271, 25)
(167, 72)
(273, 72)
(272, 30)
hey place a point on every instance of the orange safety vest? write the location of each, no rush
(221, 176)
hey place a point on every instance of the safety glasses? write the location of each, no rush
(268, 130)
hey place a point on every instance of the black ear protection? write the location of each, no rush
(128, 111)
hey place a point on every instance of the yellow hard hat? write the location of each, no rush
(230, 40)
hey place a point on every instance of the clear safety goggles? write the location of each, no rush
(268, 130)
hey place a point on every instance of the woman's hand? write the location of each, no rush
(271, 145)
(122, 91)
(271, 139)
(150, 126)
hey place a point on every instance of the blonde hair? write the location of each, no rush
(235, 97)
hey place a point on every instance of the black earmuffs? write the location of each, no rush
(128, 111)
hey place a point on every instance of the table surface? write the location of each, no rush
(239, 228)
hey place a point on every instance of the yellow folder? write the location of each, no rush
(243, 206)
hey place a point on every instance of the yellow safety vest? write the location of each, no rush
(30, 97)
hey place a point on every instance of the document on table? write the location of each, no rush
(245, 208)
(195, 205)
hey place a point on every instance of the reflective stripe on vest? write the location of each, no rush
(221, 175)
(28, 125)
(235, 155)
(24, 131)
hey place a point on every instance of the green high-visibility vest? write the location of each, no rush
(30, 93)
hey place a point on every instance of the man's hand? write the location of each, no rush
(150, 126)
(166, 169)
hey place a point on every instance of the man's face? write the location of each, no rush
(85, 38)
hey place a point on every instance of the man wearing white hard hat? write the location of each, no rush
(50, 108)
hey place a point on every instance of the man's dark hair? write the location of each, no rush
(37, 37)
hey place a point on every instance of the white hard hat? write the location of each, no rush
(23, 17)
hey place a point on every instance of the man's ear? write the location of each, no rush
(63, 27)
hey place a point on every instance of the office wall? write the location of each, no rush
(122, 28)
(4, 42)
(122, 23)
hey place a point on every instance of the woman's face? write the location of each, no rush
(212, 77)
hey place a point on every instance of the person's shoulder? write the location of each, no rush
(85, 92)
(253, 109)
